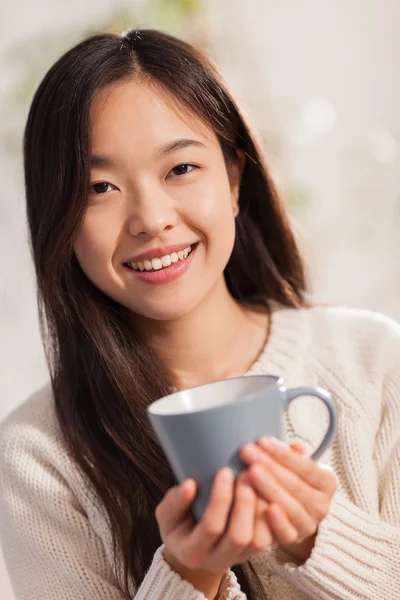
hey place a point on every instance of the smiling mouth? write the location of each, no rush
(162, 262)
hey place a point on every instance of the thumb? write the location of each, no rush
(174, 506)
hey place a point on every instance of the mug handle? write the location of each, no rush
(326, 398)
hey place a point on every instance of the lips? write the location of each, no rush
(160, 263)
(158, 252)
(162, 274)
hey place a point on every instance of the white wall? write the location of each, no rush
(279, 57)
(346, 54)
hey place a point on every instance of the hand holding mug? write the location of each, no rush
(281, 498)
(298, 492)
(232, 528)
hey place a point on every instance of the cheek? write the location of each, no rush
(210, 212)
(95, 244)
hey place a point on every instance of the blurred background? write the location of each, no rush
(320, 81)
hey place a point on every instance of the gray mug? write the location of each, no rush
(202, 429)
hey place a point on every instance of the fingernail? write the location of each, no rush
(181, 487)
(226, 475)
(249, 449)
(273, 442)
(297, 448)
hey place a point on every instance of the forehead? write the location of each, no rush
(135, 110)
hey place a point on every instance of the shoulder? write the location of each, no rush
(350, 329)
(364, 320)
(31, 426)
(357, 354)
(36, 410)
(33, 454)
(352, 352)
(359, 334)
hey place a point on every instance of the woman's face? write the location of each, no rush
(159, 186)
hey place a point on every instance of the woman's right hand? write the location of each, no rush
(221, 538)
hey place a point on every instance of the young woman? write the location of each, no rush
(164, 259)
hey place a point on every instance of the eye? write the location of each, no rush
(100, 187)
(183, 169)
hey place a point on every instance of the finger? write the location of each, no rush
(172, 510)
(262, 537)
(304, 467)
(239, 534)
(280, 525)
(295, 446)
(214, 521)
(271, 490)
(315, 502)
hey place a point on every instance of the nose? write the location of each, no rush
(151, 213)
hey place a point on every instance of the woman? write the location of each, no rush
(164, 259)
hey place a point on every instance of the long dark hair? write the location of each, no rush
(103, 376)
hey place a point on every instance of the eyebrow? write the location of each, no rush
(103, 160)
(177, 145)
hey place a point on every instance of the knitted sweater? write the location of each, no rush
(56, 539)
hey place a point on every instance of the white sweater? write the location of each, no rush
(57, 544)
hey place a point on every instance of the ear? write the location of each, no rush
(235, 171)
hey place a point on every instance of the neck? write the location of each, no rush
(208, 343)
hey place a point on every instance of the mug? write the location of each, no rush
(201, 429)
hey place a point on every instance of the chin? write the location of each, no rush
(163, 313)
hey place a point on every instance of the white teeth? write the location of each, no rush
(158, 263)
(166, 260)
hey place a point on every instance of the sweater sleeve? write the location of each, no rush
(51, 550)
(160, 577)
(357, 554)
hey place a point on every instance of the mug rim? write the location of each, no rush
(151, 409)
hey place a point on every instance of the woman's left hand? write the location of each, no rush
(297, 489)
